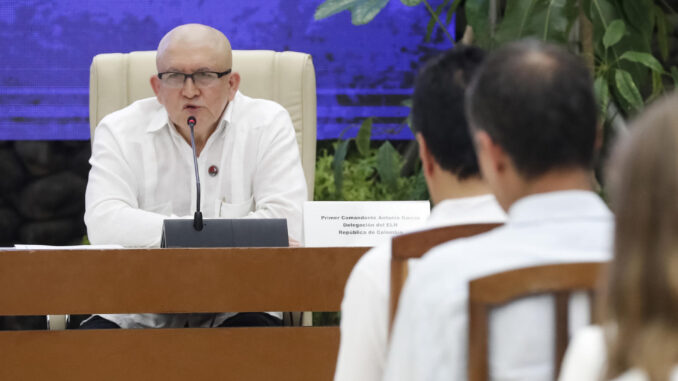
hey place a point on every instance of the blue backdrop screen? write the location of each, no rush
(361, 72)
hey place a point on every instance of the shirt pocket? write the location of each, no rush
(237, 209)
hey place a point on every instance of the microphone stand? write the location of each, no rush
(197, 217)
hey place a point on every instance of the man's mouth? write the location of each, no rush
(191, 107)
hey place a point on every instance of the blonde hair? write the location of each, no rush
(642, 291)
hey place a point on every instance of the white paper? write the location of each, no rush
(360, 223)
(73, 247)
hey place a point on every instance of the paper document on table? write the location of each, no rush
(72, 247)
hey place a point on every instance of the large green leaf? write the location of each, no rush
(645, 59)
(602, 91)
(363, 138)
(640, 16)
(362, 11)
(411, 3)
(476, 15)
(452, 10)
(674, 75)
(657, 85)
(432, 21)
(387, 166)
(514, 24)
(601, 13)
(549, 20)
(614, 33)
(662, 33)
(628, 89)
(338, 167)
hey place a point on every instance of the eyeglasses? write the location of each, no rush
(200, 78)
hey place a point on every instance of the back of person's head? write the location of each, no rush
(438, 109)
(536, 102)
(642, 293)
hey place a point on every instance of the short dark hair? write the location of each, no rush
(438, 108)
(536, 101)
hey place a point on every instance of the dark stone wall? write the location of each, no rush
(42, 200)
(42, 192)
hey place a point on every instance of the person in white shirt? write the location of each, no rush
(142, 163)
(532, 115)
(638, 339)
(459, 194)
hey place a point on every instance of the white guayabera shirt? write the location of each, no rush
(142, 173)
(429, 339)
(364, 310)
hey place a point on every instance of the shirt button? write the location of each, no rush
(213, 170)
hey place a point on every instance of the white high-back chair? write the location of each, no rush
(288, 78)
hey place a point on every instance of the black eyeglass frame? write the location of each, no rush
(186, 76)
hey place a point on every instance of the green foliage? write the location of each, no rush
(477, 15)
(548, 20)
(645, 59)
(614, 33)
(602, 91)
(624, 32)
(364, 172)
(627, 73)
(628, 89)
(362, 11)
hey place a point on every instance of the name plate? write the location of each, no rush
(360, 223)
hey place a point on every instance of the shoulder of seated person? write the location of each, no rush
(143, 111)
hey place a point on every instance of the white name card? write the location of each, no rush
(360, 223)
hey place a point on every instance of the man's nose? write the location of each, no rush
(189, 90)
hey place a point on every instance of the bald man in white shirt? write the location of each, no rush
(142, 162)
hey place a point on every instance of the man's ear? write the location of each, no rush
(427, 162)
(155, 84)
(233, 84)
(491, 156)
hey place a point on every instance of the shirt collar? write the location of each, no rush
(161, 119)
(557, 206)
(460, 204)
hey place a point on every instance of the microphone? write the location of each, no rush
(197, 217)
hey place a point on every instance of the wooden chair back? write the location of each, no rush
(173, 281)
(414, 245)
(491, 291)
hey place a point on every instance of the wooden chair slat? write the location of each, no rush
(414, 245)
(498, 289)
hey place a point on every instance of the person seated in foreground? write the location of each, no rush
(532, 114)
(637, 341)
(459, 194)
(142, 162)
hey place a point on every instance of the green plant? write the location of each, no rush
(358, 172)
(616, 37)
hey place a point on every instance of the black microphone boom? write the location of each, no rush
(197, 217)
